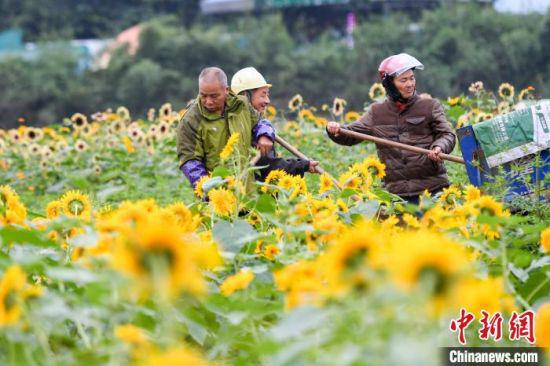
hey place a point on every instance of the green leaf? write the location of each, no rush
(221, 171)
(233, 235)
(266, 204)
(79, 276)
(212, 183)
(297, 323)
(109, 191)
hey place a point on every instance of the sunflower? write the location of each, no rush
(306, 114)
(295, 103)
(271, 112)
(352, 116)
(545, 240)
(172, 357)
(135, 133)
(163, 129)
(76, 204)
(165, 111)
(14, 290)
(79, 121)
(338, 106)
(199, 192)
(222, 201)
(34, 134)
(131, 334)
(183, 216)
(450, 196)
(351, 254)
(123, 113)
(80, 145)
(425, 256)
(12, 211)
(14, 135)
(375, 167)
(34, 149)
(377, 92)
(160, 259)
(273, 178)
(238, 281)
(228, 148)
(128, 144)
(525, 93)
(506, 91)
(271, 251)
(476, 87)
(542, 326)
(488, 205)
(325, 183)
(482, 294)
(471, 193)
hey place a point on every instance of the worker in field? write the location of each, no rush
(205, 128)
(249, 83)
(407, 118)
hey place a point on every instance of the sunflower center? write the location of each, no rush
(355, 259)
(76, 207)
(10, 300)
(436, 280)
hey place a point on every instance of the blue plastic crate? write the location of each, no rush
(515, 172)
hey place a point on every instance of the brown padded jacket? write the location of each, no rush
(422, 123)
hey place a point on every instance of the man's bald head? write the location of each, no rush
(212, 75)
(213, 89)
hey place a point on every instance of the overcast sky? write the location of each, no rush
(522, 6)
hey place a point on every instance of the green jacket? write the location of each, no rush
(201, 135)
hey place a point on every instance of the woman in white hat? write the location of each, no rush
(250, 83)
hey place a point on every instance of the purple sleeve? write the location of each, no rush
(263, 128)
(194, 170)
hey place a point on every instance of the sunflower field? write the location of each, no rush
(109, 257)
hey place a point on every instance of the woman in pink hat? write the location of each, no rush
(405, 117)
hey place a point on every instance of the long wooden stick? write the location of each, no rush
(318, 169)
(301, 155)
(378, 140)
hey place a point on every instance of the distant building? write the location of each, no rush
(229, 6)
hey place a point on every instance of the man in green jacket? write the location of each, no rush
(209, 121)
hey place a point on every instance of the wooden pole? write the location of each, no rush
(381, 141)
(318, 169)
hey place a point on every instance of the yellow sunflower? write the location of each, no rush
(229, 146)
(325, 183)
(76, 204)
(525, 93)
(131, 334)
(79, 121)
(12, 211)
(338, 106)
(426, 256)
(14, 290)
(165, 111)
(542, 326)
(199, 192)
(352, 116)
(53, 209)
(222, 201)
(295, 103)
(128, 144)
(271, 112)
(123, 113)
(506, 91)
(174, 356)
(377, 92)
(238, 281)
(545, 240)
